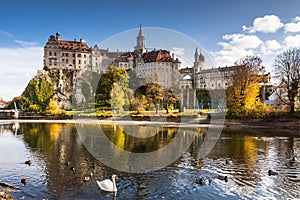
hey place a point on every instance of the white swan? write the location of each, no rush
(108, 185)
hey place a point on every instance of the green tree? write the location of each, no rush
(39, 92)
(288, 71)
(113, 77)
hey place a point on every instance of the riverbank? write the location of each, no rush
(284, 121)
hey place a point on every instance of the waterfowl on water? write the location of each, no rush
(24, 181)
(28, 162)
(270, 172)
(93, 165)
(108, 185)
(203, 181)
(87, 178)
(228, 162)
(223, 178)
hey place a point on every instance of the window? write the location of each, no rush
(84, 55)
(79, 55)
(79, 61)
(226, 73)
(74, 62)
(54, 53)
(67, 54)
(73, 55)
(85, 62)
(50, 53)
(67, 61)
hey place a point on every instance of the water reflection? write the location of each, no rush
(244, 156)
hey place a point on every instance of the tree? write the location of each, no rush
(169, 98)
(113, 77)
(53, 108)
(39, 92)
(287, 66)
(244, 91)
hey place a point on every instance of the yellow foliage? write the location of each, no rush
(53, 108)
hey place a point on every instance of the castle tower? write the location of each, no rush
(140, 47)
(57, 37)
(199, 61)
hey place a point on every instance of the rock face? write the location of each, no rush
(62, 81)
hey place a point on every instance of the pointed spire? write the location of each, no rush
(196, 55)
(196, 52)
(140, 42)
(141, 31)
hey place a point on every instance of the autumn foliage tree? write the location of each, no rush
(243, 94)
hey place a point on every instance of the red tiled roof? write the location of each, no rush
(126, 55)
(73, 45)
(159, 55)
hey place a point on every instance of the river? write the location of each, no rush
(61, 158)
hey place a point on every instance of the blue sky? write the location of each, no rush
(228, 30)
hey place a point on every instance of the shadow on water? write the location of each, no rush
(60, 163)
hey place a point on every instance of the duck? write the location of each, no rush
(270, 172)
(24, 181)
(203, 181)
(87, 178)
(108, 185)
(223, 178)
(93, 165)
(72, 168)
(228, 162)
(28, 162)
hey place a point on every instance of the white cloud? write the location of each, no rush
(178, 51)
(292, 41)
(240, 41)
(235, 46)
(270, 47)
(227, 57)
(18, 66)
(26, 44)
(294, 26)
(266, 24)
(6, 34)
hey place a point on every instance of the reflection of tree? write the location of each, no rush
(134, 144)
(58, 144)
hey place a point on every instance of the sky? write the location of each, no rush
(227, 30)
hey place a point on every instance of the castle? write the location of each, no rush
(157, 66)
